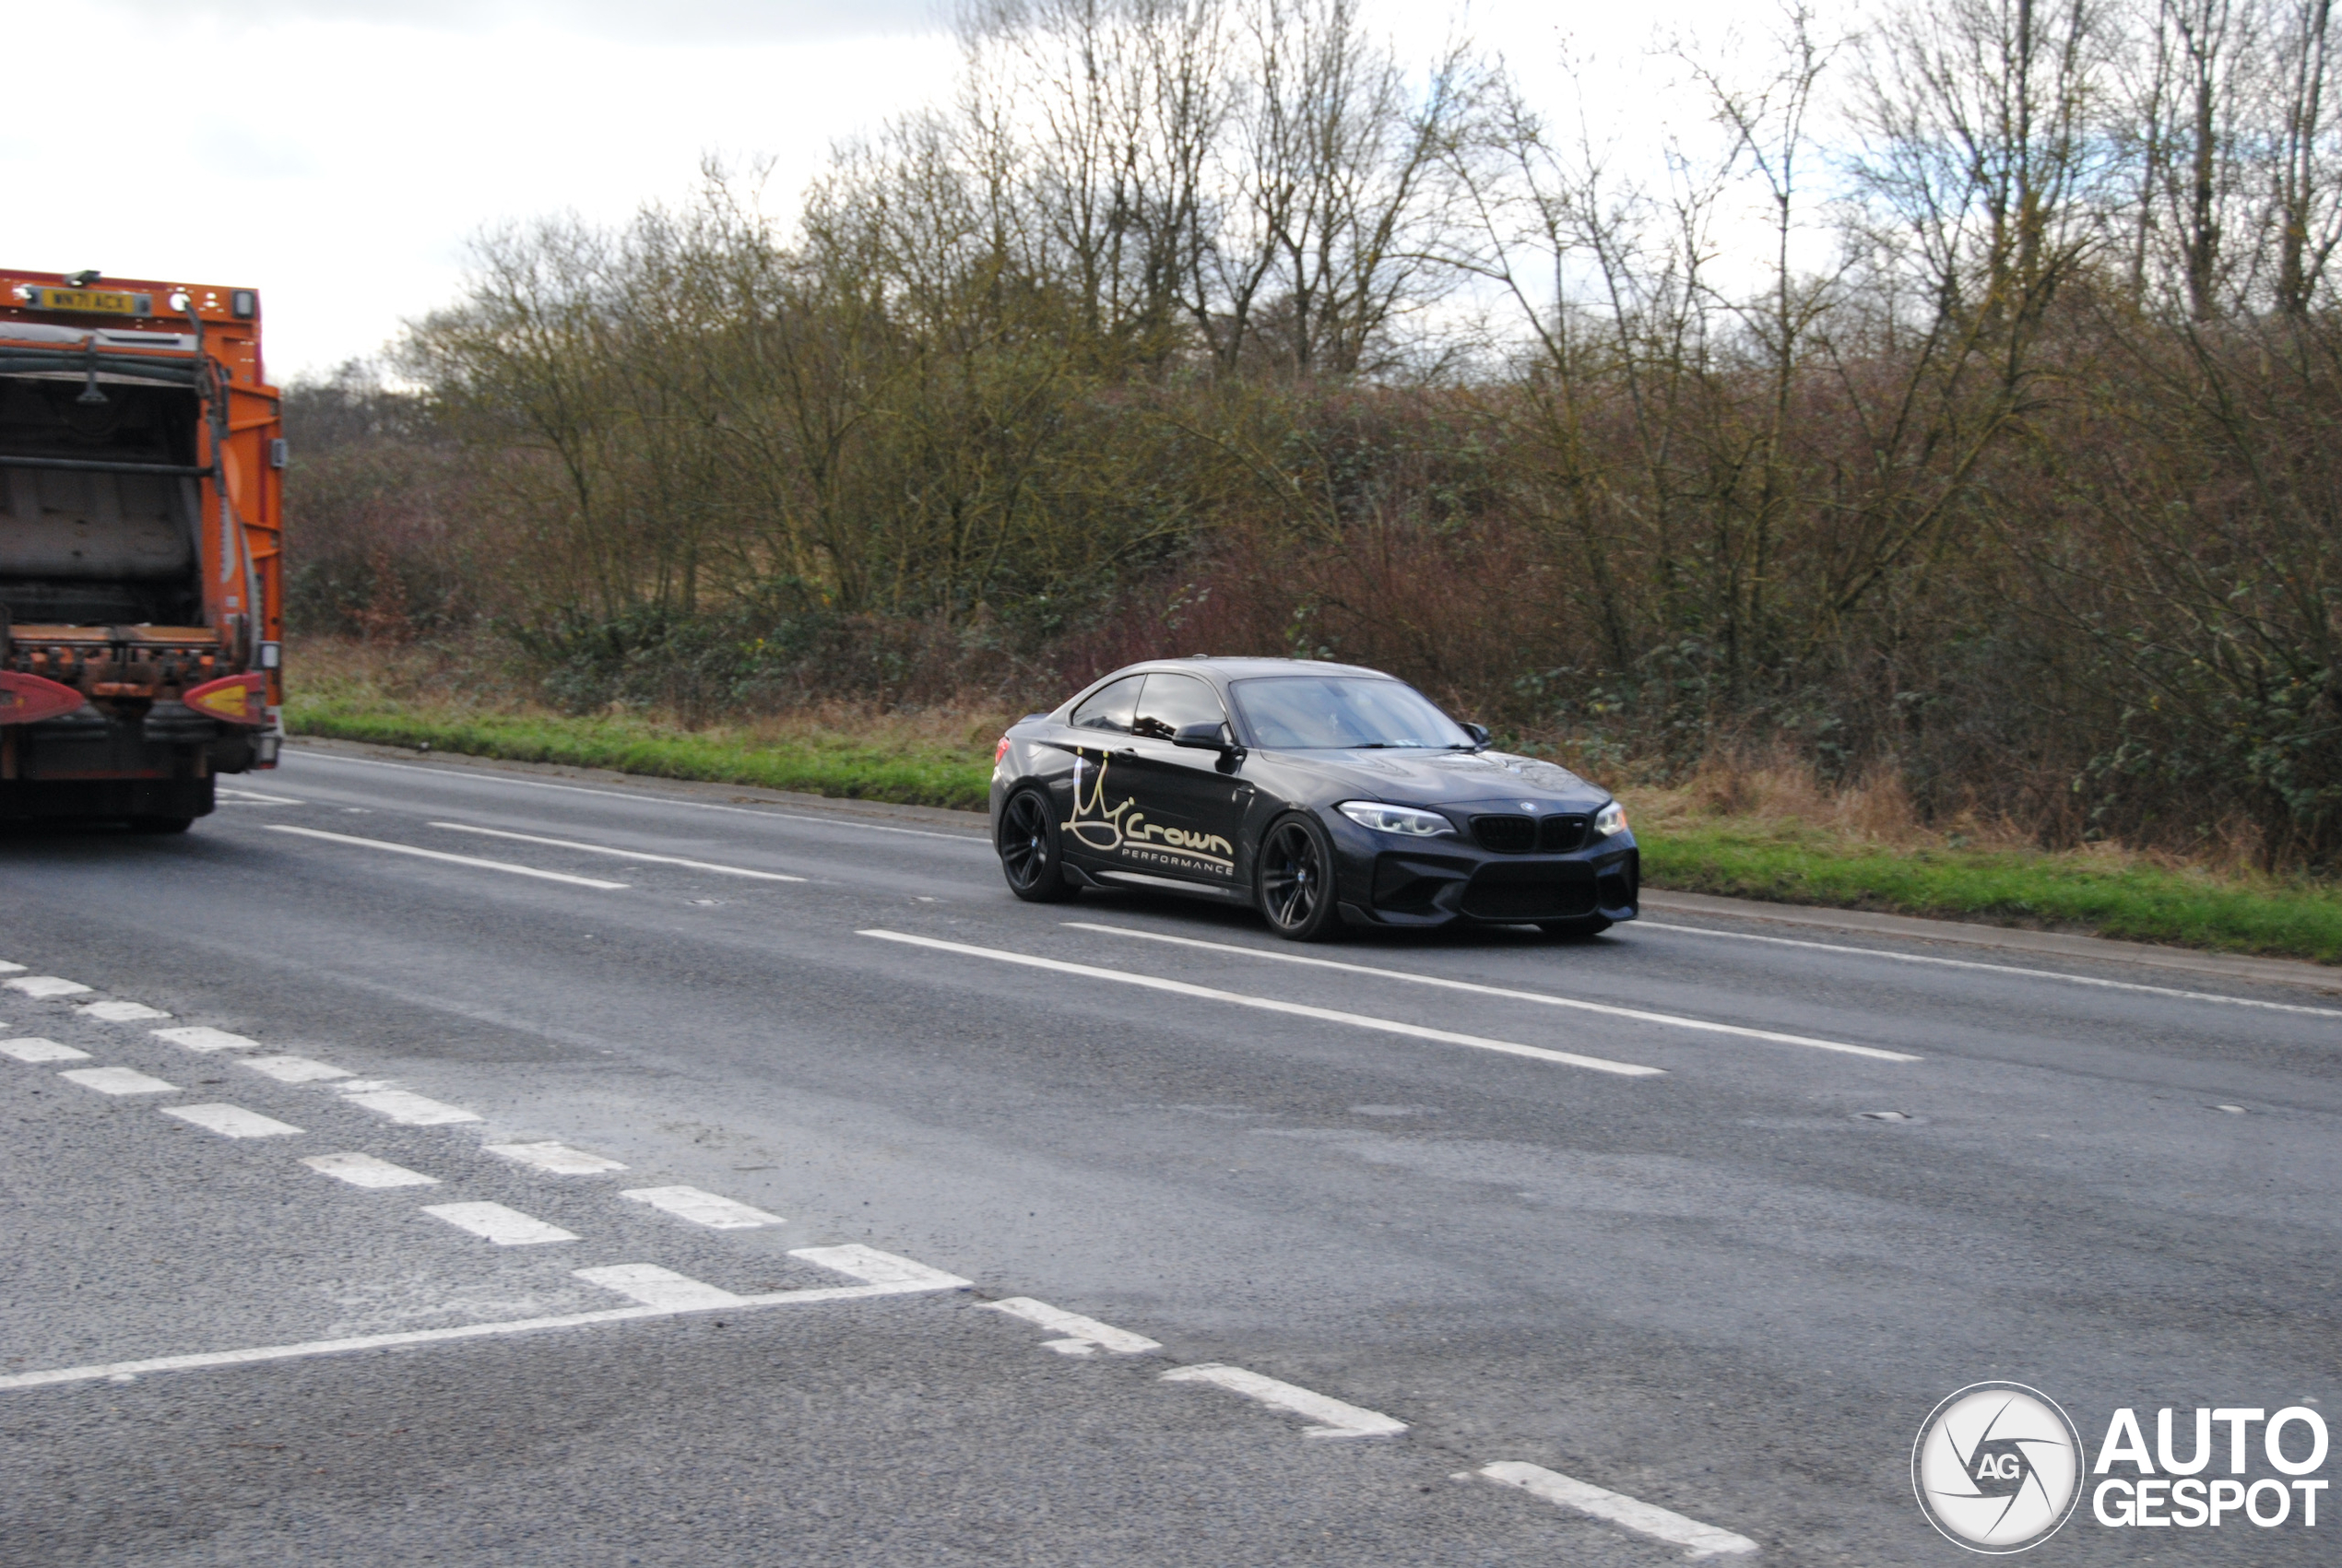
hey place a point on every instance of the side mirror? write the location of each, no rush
(1203, 737)
(1479, 734)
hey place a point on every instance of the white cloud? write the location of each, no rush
(336, 154)
(702, 21)
(338, 164)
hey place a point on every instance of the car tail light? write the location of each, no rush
(1001, 750)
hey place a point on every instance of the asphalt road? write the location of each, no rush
(1688, 1281)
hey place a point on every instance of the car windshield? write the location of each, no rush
(1318, 712)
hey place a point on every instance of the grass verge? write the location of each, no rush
(945, 760)
(2122, 897)
(814, 762)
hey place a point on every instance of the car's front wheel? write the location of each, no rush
(1293, 880)
(1030, 855)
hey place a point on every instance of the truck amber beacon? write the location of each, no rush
(141, 494)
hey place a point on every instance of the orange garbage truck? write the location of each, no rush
(141, 501)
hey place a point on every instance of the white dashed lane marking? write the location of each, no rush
(885, 1274)
(231, 1121)
(292, 1069)
(33, 1048)
(494, 1222)
(195, 1037)
(42, 987)
(408, 1109)
(1638, 1015)
(711, 1209)
(622, 853)
(1645, 1518)
(7, 967)
(118, 1081)
(656, 1287)
(1082, 1335)
(557, 1158)
(365, 1171)
(1271, 1004)
(390, 848)
(1334, 1418)
(121, 1012)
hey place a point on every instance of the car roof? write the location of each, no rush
(1226, 669)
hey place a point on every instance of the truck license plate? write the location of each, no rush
(94, 301)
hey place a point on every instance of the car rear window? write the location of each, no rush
(1319, 712)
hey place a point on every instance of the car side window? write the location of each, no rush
(1110, 710)
(1171, 702)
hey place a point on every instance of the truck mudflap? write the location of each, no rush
(158, 805)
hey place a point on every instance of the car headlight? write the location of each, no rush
(1610, 819)
(1407, 820)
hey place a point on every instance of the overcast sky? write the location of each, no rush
(336, 154)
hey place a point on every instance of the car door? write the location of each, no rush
(1185, 804)
(1095, 798)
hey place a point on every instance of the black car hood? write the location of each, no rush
(1435, 778)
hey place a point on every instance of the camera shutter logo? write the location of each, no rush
(1997, 1467)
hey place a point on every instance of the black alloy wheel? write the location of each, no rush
(1028, 847)
(1574, 930)
(1294, 882)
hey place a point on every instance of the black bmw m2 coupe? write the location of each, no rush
(1321, 794)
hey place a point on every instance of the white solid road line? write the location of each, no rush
(1334, 1418)
(292, 1069)
(118, 1081)
(978, 841)
(409, 1109)
(33, 1048)
(1270, 1003)
(441, 854)
(1998, 969)
(903, 1278)
(656, 1287)
(231, 1121)
(1698, 1539)
(711, 1209)
(494, 1222)
(557, 1158)
(195, 1037)
(254, 797)
(120, 1012)
(622, 853)
(7, 967)
(1082, 1335)
(42, 986)
(365, 1171)
(1638, 1015)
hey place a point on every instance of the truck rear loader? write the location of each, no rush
(141, 493)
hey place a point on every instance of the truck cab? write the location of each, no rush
(141, 460)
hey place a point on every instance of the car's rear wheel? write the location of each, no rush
(1574, 930)
(1293, 881)
(1030, 855)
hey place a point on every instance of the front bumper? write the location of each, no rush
(1452, 882)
